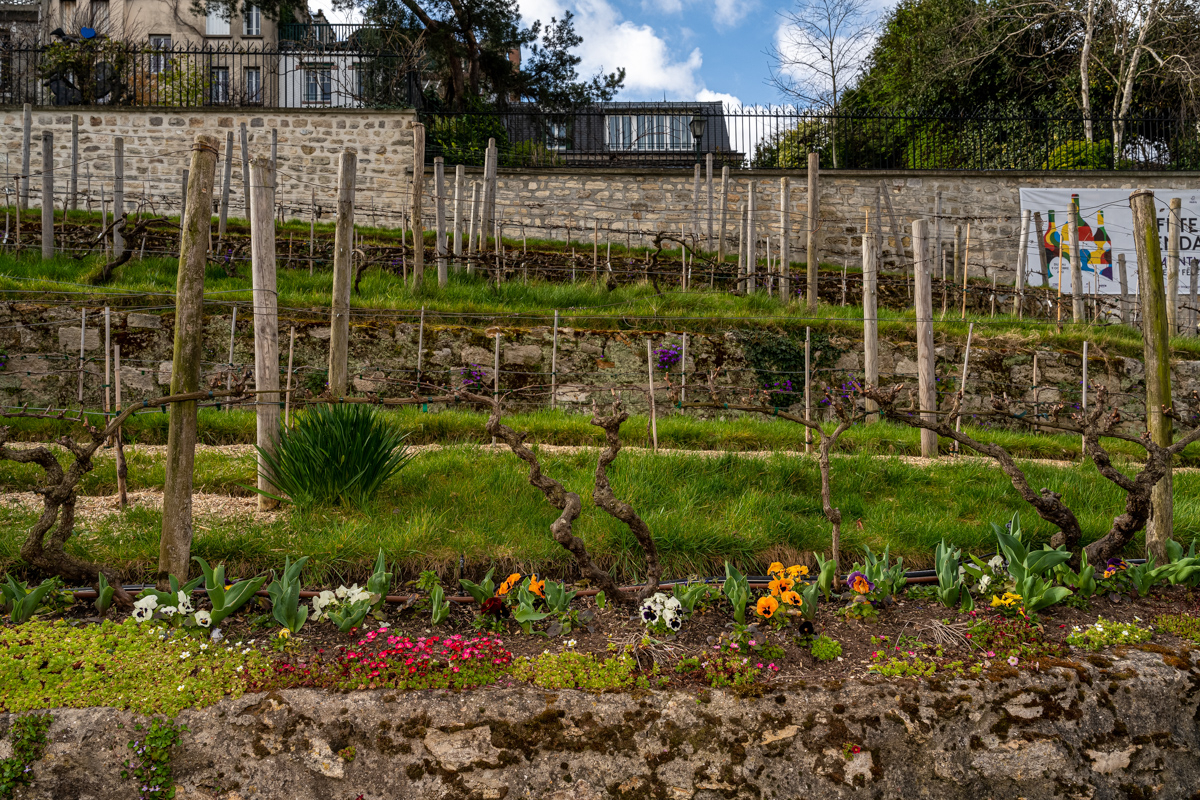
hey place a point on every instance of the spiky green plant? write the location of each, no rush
(335, 455)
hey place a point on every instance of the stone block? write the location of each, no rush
(68, 339)
(165, 368)
(152, 321)
(527, 355)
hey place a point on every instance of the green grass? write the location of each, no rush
(675, 431)
(477, 506)
(472, 300)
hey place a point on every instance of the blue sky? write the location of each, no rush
(683, 49)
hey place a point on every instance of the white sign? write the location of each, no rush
(1105, 232)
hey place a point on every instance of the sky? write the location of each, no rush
(672, 49)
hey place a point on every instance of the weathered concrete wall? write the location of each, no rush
(158, 148)
(1098, 729)
(42, 345)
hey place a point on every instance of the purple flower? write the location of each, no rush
(859, 583)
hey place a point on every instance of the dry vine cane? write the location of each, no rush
(44, 546)
(570, 505)
(1100, 420)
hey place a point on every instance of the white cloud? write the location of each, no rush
(652, 69)
(663, 6)
(732, 12)
(709, 96)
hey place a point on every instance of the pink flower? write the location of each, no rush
(1012, 661)
(990, 654)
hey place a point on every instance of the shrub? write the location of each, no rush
(1080, 154)
(335, 454)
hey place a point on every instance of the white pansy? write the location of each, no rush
(142, 614)
(168, 611)
(996, 562)
(185, 602)
(984, 581)
(203, 619)
(149, 602)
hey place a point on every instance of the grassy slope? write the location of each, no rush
(680, 432)
(472, 301)
(702, 510)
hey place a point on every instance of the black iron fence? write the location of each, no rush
(664, 135)
(331, 66)
(330, 74)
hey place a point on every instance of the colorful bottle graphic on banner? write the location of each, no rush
(1103, 255)
(1087, 243)
(1052, 244)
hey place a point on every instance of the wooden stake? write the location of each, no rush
(228, 177)
(1041, 250)
(965, 272)
(439, 188)
(708, 182)
(122, 468)
(1077, 311)
(73, 187)
(47, 195)
(1022, 264)
(1123, 275)
(807, 388)
(785, 236)
(1157, 360)
(474, 218)
(118, 237)
(653, 408)
(962, 386)
(870, 254)
(245, 170)
(460, 187)
(312, 229)
(266, 318)
(229, 373)
(26, 145)
(554, 365)
(923, 290)
(721, 229)
(107, 370)
(343, 243)
(420, 347)
(287, 397)
(174, 556)
(418, 188)
(496, 373)
(813, 264)
(82, 341)
(1174, 209)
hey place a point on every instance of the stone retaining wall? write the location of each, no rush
(42, 345)
(1098, 728)
(158, 148)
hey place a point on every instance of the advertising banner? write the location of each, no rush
(1105, 231)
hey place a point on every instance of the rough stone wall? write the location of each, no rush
(158, 148)
(1098, 728)
(42, 346)
(650, 201)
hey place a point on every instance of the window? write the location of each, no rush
(254, 85)
(252, 24)
(160, 61)
(652, 132)
(218, 85)
(318, 83)
(557, 138)
(217, 24)
(99, 14)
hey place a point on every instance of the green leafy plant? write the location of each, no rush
(23, 602)
(809, 593)
(1184, 567)
(284, 592)
(28, 737)
(427, 580)
(1143, 577)
(888, 577)
(480, 591)
(826, 572)
(690, 594)
(951, 590)
(525, 611)
(149, 764)
(737, 590)
(334, 454)
(1106, 632)
(601, 600)
(171, 597)
(558, 599)
(380, 583)
(1083, 582)
(226, 599)
(439, 607)
(104, 596)
(825, 649)
(1028, 568)
(1185, 626)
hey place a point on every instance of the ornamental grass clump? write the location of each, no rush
(334, 455)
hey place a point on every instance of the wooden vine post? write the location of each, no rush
(1157, 355)
(343, 272)
(813, 265)
(175, 546)
(418, 187)
(266, 317)
(870, 315)
(923, 294)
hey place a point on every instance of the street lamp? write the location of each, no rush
(698, 124)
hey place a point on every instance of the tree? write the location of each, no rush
(470, 47)
(821, 47)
